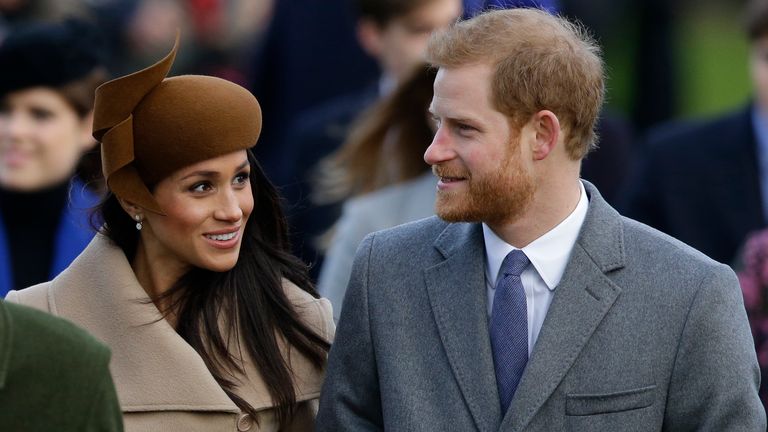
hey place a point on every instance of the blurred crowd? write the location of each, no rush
(345, 96)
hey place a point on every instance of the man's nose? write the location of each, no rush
(440, 150)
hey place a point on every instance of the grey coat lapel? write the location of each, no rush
(457, 293)
(583, 297)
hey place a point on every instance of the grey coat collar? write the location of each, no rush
(456, 289)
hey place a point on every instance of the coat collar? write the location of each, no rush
(154, 369)
(456, 288)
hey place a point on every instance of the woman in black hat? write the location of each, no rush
(49, 75)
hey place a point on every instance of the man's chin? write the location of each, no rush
(453, 214)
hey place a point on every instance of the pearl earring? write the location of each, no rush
(138, 222)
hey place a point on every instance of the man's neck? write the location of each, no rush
(551, 205)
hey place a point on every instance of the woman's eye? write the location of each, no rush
(200, 187)
(41, 114)
(242, 178)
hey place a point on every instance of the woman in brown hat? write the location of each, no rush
(213, 325)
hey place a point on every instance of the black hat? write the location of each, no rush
(49, 55)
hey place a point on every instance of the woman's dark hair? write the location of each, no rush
(253, 289)
(384, 146)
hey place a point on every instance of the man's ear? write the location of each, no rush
(546, 127)
(369, 34)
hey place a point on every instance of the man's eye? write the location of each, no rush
(465, 128)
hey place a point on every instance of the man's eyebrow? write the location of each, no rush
(458, 119)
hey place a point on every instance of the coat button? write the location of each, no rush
(244, 423)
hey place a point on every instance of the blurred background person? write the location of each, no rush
(221, 34)
(49, 75)
(752, 270)
(395, 34)
(379, 175)
(308, 55)
(14, 13)
(749, 181)
(213, 324)
(705, 182)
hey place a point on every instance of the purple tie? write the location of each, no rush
(509, 327)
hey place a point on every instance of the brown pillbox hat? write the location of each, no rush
(150, 126)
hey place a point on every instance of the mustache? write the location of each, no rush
(452, 172)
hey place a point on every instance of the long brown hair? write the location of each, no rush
(251, 293)
(385, 146)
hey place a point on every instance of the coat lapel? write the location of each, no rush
(457, 293)
(154, 369)
(582, 299)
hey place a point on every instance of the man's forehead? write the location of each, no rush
(468, 73)
(465, 85)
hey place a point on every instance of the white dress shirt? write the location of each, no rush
(549, 254)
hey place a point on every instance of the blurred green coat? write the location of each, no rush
(53, 375)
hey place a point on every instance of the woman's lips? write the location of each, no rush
(223, 239)
(13, 158)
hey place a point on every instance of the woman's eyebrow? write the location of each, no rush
(205, 173)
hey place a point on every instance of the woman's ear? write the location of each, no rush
(546, 126)
(132, 209)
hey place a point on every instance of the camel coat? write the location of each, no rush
(162, 383)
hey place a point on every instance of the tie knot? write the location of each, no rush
(514, 263)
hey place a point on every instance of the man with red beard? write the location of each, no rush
(529, 303)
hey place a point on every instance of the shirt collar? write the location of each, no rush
(549, 253)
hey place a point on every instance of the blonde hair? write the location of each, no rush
(384, 146)
(541, 62)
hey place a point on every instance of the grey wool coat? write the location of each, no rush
(643, 334)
